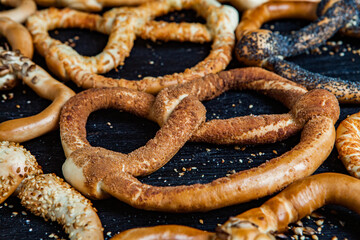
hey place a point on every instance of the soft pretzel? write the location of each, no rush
(293, 203)
(128, 24)
(258, 47)
(19, 39)
(348, 143)
(24, 129)
(242, 5)
(46, 195)
(23, 9)
(89, 5)
(98, 173)
(17, 35)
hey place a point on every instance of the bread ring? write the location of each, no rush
(129, 23)
(23, 9)
(347, 144)
(98, 173)
(46, 195)
(268, 49)
(89, 5)
(24, 129)
(293, 203)
(19, 39)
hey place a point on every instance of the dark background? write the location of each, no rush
(123, 132)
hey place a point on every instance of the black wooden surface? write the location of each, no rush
(120, 131)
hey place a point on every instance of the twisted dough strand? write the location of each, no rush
(293, 203)
(46, 195)
(23, 129)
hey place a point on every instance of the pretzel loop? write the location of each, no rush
(128, 23)
(24, 129)
(98, 172)
(268, 49)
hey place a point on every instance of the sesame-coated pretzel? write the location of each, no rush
(124, 25)
(271, 218)
(98, 172)
(24, 129)
(22, 9)
(46, 195)
(259, 47)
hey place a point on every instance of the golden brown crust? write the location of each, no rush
(348, 143)
(166, 232)
(46, 195)
(22, 9)
(17, 35)
(293, 203)
(89, 5)
(297, 201)
(124, 25)
(98, 172)
(23, 129)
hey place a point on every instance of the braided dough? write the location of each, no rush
(23, 9)
(46, 195)
(267, 49)
(24, 129)
(98, 173)
(89, 5)
(295, 202)
(348, 143)
(124, 25)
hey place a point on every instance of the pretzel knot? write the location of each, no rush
(46, 195)
(13, 64)
(125, 24)
(22, 9)
(98, 172)
(268, 49)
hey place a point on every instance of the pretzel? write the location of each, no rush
(258, 47)
(98, 173)
(23, 9)
(20, 39)
(89, 5)
(24, 129)
(17, 35)
(265, 222)
(347, 144)
(243, 5)
(46, 195)
(128, 24)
